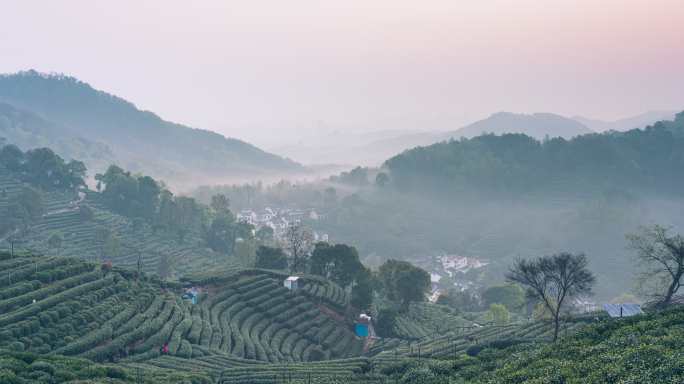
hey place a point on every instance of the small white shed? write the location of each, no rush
(292, 283)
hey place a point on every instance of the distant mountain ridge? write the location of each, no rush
(536, 125)
(638, 121)
(140, 140)
(382, 145)
(638, 160)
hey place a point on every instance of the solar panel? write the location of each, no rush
(622, 310)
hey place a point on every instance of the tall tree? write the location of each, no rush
(662, 257)
(299, 240)
(221, 234)
(403, 282)
(553, 280)
(339, 263)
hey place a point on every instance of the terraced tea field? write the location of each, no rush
(246, 327)
(456, 341)
(425, 320)
(71, 307)
(82, 236)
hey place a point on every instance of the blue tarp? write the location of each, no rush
(361, 330)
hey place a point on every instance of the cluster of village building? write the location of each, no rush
(280, 219)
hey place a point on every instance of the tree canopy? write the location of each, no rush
(403, 282)
(42, 168)
(640, 159)
(128, 194)
(510, 295)
(339, 262)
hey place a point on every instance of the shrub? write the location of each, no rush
(8, 377)
(42, 366)
(115, 373)
(12, 364)
(63, 375)
(185, 349)
(474, 350)
(16, 346)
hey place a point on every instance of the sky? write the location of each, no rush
(273, 71)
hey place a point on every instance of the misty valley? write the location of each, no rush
(518, 249)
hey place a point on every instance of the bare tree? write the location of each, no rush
(553, 280)
(299, 241)
(662, 257)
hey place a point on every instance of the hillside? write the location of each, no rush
(28, 130)
(637, 160)
(374, 147)
(79, 224)
(63, 319)
(245, 318)
(641, 349)
(380, 146)
(498, 198)
(139, 140)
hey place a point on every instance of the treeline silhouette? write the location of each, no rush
(639, 160)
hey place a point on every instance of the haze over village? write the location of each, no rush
(365, 192)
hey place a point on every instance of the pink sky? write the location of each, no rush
(265, 70)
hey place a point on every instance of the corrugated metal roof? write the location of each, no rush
(622, 310)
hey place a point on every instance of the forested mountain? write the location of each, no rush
(371, 149)
(645, 160)
(375, 150)
(29, 131)
(537, 125)
(140, 140)
(497, 198)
